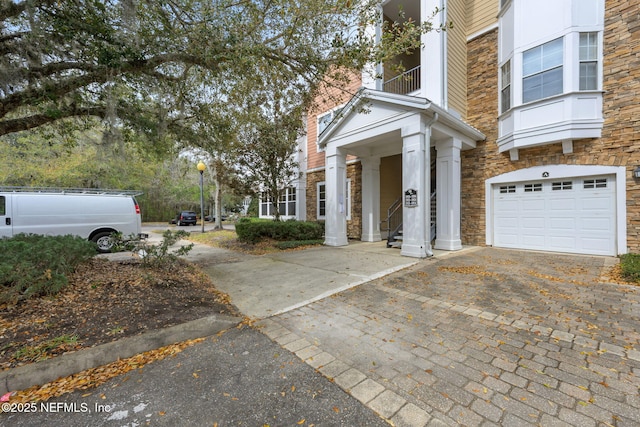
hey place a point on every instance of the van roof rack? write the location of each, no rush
(104, 191)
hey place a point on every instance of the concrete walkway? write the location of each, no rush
(272, 284)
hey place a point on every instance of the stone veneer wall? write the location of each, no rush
(618, 146)
(354, 172)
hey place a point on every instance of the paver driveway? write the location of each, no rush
(486, 337)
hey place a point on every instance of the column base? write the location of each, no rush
(448, 245)
(414, 251)
(336, 241)
(373, 237)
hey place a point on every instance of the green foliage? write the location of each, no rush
(35, 353)
(254, 231)
(33, 265)
(157, 256)
(630, 266)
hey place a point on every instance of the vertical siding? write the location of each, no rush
(481, 14)
(457, 57)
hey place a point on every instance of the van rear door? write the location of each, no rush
(6, 226)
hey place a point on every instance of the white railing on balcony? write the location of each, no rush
(405, 83)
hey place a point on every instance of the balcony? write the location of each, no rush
(405, 83)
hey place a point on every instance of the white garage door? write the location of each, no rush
(574, 215)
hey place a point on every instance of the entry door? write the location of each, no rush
(5, 217)
(575, 215)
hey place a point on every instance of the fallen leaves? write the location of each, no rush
(91, 378)
(105, 301)
(470, 269)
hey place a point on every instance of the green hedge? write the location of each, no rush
(630, 266)
(254, 231)
(34, 265)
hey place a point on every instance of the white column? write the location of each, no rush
(301, 199)
(415, 177)
(335, 231)
(371, 199)
(433, 56)
(448, 195)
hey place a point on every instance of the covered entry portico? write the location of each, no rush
(377, 124)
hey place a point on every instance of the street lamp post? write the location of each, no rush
(201, 168)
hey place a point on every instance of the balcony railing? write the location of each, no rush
(405, 83)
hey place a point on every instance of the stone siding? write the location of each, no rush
(618, 146)
(354, 173)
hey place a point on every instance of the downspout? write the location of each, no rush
(428, 125)
(444, 60)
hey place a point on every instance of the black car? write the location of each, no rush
(186, 218)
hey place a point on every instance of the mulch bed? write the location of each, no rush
(106, 301)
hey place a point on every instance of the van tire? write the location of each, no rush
(104, 242)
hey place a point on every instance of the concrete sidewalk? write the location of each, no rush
(273, 284)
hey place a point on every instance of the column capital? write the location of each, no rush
(448, 144)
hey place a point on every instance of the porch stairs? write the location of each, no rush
(394, 222)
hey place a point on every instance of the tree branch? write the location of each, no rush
(35, 120)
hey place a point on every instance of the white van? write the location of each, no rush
(89, 213)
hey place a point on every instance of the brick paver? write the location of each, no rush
(486, 337)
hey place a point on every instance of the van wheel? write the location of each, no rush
(104, 242)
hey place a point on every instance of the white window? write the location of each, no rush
(286, 203)
(504, 189)
(588, 61)
(321, 208)
(530, 188)
(265, 204)
(542, 71)
(595, 183)
(562, 185)
(325, 119)
(505, 87)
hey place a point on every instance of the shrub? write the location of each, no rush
(34, 265)
(630, 267)
(254, 231)
(156, 255)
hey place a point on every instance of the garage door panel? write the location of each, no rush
(566, 205)
(562, 223)
(533, 240)
(597, 203)
(534, 205)
(598, 246)
(535, 223)
(574, 215)
(602, 225)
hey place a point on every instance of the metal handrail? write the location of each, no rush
(405, 83)
(433, 215)
(394, 221)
